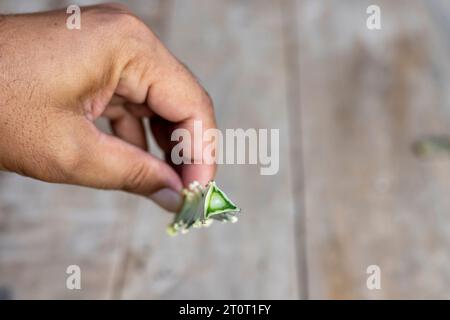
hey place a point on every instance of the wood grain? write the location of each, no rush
(366, 96)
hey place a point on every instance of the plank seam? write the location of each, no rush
(292, 64)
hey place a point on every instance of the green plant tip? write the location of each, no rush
(201, 206)
(217, 202)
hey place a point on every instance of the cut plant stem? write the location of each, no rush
(201, 206)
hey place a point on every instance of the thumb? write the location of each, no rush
(110, 163)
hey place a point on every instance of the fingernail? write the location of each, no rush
(168, 199)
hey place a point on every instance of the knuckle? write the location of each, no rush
(207, 101)
(131, 21)
(136, 37)
(117, 18)
(201, 97)
(128, 21)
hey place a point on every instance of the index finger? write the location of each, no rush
(152, 75)
(177, 96)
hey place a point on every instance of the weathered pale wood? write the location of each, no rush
(366, 96)
(294, 125)
(44, 227)
(236, 49)
(23, 6)
(440, 10)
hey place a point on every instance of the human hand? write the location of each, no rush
(54, 82)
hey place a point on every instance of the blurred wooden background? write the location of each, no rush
(350, 193)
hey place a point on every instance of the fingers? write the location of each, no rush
(138, 110)
(189, 172)
(110, 163)
(126, 126)
(185, 105)
(174, 94)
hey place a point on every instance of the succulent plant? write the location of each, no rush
(201, 206)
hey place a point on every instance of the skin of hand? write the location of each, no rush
(54, 82)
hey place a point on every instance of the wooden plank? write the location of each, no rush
(44, 228)
(294, 124)
(236, 49)
(366, 96)
(440, 10)
(23, 6)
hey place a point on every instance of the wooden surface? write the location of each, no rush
(350, 193)
(366, 96)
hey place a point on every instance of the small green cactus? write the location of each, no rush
(201, 206)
